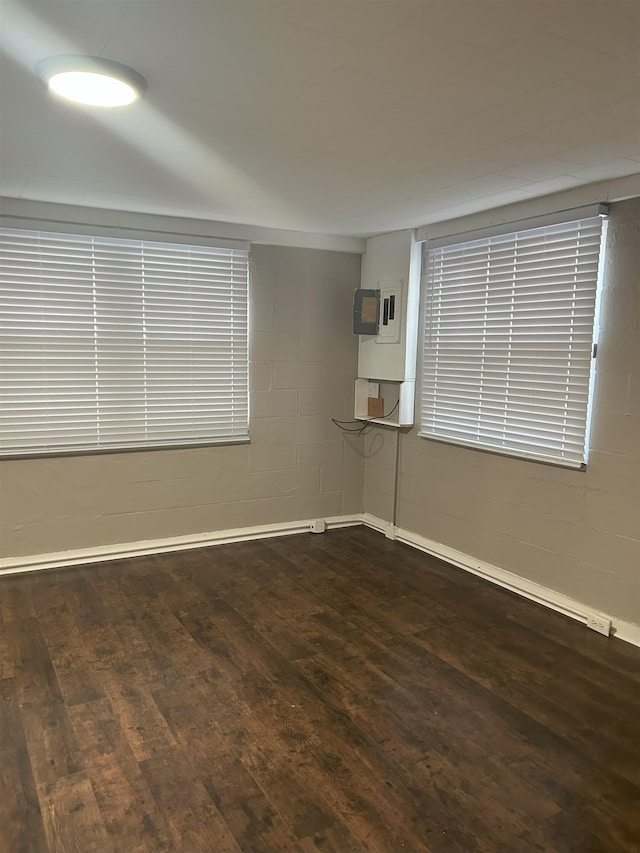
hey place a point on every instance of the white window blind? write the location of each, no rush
(114, 343)
(508, 341)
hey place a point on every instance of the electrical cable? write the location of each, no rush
(359, 430)
(388, 415)
(365, 422)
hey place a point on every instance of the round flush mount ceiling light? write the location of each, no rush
(91, 80)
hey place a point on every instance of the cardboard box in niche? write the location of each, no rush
(375, 407)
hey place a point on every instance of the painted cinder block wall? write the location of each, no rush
(577, 533)
(297, 466)
(574, 532)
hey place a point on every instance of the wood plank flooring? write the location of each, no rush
(308, 693)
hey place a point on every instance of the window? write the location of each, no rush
(118, 343)
(508, 340)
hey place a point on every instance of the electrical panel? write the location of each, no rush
(366, 311)
(391, 267)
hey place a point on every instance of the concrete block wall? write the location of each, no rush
(297, 466)
(574, 532)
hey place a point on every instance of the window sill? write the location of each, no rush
(140, 448)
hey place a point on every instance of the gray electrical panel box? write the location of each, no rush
(366, 312)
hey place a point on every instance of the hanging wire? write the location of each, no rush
(364, 423)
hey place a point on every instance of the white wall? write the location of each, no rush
(297, 466)
(574, 532)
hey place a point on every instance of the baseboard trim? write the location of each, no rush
(623, 630)
(101, 554)
(375, 523)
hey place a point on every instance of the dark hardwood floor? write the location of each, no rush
(308, 693)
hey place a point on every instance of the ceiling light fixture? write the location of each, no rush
(91, 80)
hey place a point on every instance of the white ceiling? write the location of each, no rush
(349, 117)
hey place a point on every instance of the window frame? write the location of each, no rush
(456, 241)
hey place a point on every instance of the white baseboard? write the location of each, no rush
(101, 554)
(551, 598)
(622, 629)
(375, 523)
